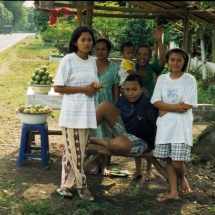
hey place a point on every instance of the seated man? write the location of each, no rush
(132, 119)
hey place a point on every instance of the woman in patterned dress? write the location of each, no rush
(108, 75)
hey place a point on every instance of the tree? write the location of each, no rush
(17, 10)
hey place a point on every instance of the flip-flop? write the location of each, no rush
(118, 172)
(165, 199)
(64, 192)
(186, 190)
(85, 195)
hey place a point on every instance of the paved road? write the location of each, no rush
(6, 41)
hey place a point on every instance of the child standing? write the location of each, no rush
(174, 95)
(76, 78)
(127, 66)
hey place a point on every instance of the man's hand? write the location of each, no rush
(158, 33)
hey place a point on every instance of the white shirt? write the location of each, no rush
(77, 110)
(175, 127)
(123, 68)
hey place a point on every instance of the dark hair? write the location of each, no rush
(126, 44)
(134, 77)
(183, 54)
(76, 34)
(106, 41)
(144, 46)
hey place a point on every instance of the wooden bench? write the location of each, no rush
(94, 151)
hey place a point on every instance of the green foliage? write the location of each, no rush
(41, 20)
(17, 10)
(138, 31)
(61, 31)
(6, 16)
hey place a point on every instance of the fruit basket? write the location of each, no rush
(41, 80)
(33, 114)
(40, 89)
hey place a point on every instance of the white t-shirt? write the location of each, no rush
(77, 110)
(123, 68)
(175, 127)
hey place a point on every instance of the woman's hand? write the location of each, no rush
(97, 85)
(90, 91)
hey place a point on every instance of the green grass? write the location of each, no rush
(18, 64)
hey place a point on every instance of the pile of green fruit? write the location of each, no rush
(41, 76)
(33, 109)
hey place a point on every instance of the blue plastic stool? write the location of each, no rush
(25, 143)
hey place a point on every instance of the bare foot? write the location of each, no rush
(185, 187)
(105, 172)
(95, 170)
(61, 146)
(135, 175)
(167, 198)
(150, 176)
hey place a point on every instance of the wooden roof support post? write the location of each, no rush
(201, 35)
(157, 21)
(186, 33)
(79, 13)
(213, 44)
(89, 14)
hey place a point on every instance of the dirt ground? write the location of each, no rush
(138, 197)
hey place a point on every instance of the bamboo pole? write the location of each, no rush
(79, 13)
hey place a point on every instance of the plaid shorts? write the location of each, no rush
(176, 151)
(138, 145)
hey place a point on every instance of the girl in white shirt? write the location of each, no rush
(174, 95)
(77, 79)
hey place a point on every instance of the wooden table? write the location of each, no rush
(52, 99)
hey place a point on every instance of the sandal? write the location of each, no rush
(85, 195)
(64, 191)
(118, 172)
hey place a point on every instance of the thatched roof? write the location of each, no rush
(169, 10)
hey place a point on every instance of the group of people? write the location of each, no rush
(129, 109)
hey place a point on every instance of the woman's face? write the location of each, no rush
(143, 56)
(84, 43)
(101, 51)
(175, 62)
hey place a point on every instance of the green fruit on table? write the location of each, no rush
(44, 78)
(33, 77)
(50, 77)
(36, 71)
(42, 82)
(47, 73)
(32, 82)
(36, 82)
(41, 73)
(26, 110)
(48, 82)
(38, 78)
(44, 68)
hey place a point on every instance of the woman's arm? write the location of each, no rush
(179, 108)
(88, 90)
